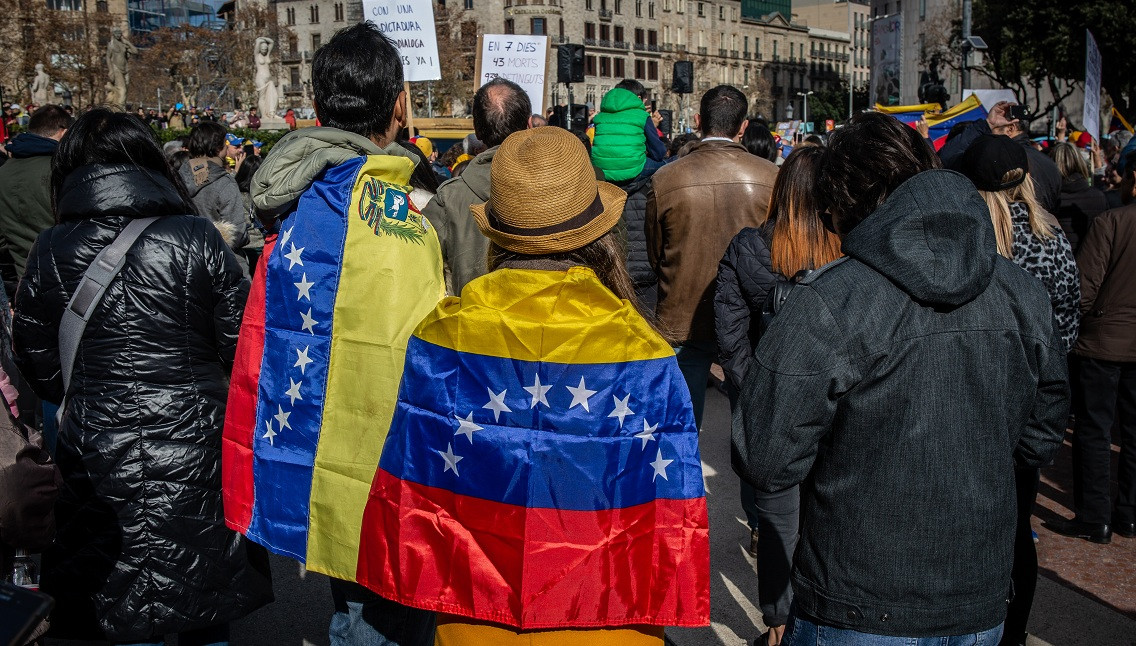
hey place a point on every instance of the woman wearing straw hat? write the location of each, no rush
(569, 509)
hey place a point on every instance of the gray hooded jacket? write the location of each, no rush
(900, 385)
(216, 196)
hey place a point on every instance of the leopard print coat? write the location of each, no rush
(1050, 261)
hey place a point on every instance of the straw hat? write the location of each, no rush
(544, 197)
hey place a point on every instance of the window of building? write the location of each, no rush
(721, 13)
(605, 32)
(745, 77)
(681, 38)
(590, 65)
(290, 16)
(640, 69)
(922, 9)
(667, 4)
(510, 28)
(652, 70)
(590, 30)
(652, 38)
(619, 34)
(650, 9)
(294, 75)
(722, 40)
(619, 69)
(605, 67)
(339, 12)
(638, 8)
(792, 51)
(640, 37)
(65, 5)
(101, 6)
(536, 26)
(774, 50)
(314, 14)
(701, 9)
(588, 5)
(562, 28)
(469, 4)
(316, 41)
(618, 6)
(666, 34)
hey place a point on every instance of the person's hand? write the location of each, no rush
(239, 158)
(656, 118)
(1060, 128)
(774, 636)
(999, 117)
(923, 128)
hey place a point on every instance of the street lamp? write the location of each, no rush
(806, 107)
(789, 111)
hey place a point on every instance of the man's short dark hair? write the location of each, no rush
(49, 120)
(500, 108)
(865, 162)
(722, 111)
(356, 79)
(634, 87)
(206, 139)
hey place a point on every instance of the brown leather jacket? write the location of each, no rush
(696, 205)
(1107, 260)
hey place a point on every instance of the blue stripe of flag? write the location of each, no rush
(300, 286)
(549, 456)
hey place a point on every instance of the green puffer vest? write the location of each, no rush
(620, 145)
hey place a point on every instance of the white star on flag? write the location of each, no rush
(309, 322)
(648, 434)
(282, 417)
(580, 395)
(285, 236)
(305, 287)
(538, 393)
(293, 257)
(270, 434)
(302, 359)
(497, 404)
(451, 459)
(294, 391)
(621, 409)
(660, 466)
(466, 426)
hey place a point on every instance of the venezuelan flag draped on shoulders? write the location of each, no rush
(542, 468)
(939, 122)
(334, 300)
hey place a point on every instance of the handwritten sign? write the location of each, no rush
(521, 59)
(1091, 108)
(410, 24)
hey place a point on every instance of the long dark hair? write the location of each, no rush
(799, 239)
(104, 137)
(244, 174)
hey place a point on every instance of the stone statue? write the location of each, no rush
(42, 90)
(267, 95)
(118, 53)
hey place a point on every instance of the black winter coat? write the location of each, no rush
(142, 548)
(745, 276)
(1080, 203)
(900, 386)
(634, 215)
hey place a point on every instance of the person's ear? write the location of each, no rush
(698, 122)
(528, 124)
(399, 116)
(741, 131)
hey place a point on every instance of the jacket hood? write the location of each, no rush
(619, 99)
(216, 172)
(301, 157)
(476, 174)
(932, 237)
(117, 189)
(26, 145)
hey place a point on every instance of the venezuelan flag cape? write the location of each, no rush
(940, 124)
(542, 468)
(333, 303)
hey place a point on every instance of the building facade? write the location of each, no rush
(843, 16)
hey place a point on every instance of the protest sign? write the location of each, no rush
(1091, 110)
(410, 24)
(520, 59)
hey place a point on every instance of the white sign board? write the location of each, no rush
(990, 98)
(521, 59)
(410, 24)
(1091, 116)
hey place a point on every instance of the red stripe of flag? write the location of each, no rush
(240, 413)
(473, 558)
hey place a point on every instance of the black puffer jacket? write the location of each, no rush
(634, 214)
(142, 548)
(745, 276)
(1080, 203)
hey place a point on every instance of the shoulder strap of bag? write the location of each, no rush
(90, 292)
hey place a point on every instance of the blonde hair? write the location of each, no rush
(999, 204)
(1069, 161)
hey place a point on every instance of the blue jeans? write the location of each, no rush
(363, 618)
(694, 359)
(801, 632)
(212, 636)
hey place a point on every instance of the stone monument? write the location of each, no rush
(267, 94)
(42, 91)
(118, 53)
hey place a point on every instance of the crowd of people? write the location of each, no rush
(905, 335)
